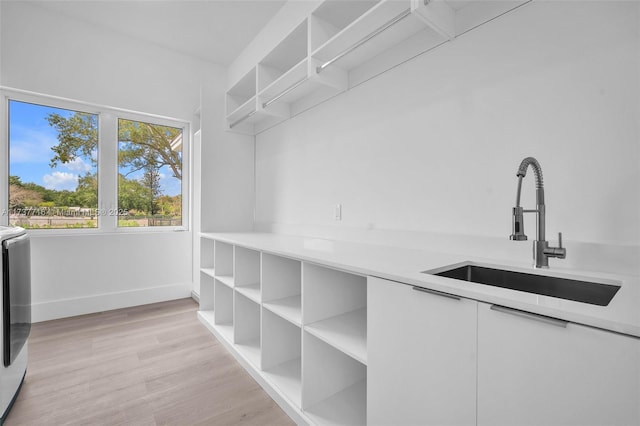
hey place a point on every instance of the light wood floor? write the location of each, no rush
(148, 365)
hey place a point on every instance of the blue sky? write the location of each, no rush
(30, 141)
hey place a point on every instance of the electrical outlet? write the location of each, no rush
(337, 212)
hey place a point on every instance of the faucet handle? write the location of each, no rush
(559, 252)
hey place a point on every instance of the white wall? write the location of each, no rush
(434, 145)
(49, 53)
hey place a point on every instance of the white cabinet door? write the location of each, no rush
(534, 372)
(421, 367)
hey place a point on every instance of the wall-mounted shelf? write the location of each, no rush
(299, 328)
(389, 22)
(342, 43)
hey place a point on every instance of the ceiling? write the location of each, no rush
(213, 30)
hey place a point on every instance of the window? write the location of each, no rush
(76, 166)
(53, 167)
(149, 174)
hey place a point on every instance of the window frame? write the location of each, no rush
(107, 161)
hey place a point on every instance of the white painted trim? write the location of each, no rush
(63, 308)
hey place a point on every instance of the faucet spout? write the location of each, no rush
(541, 249)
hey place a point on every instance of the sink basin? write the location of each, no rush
(593, 293)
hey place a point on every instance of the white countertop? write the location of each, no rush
(406, 265)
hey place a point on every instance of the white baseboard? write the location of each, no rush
(63, 308)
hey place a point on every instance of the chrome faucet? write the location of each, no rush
(541, 249)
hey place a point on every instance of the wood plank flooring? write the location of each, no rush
(147, 365)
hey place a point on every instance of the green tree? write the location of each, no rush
(77, 137)
(131, 194)
(151, 182)
(143, 146)
(87, 191)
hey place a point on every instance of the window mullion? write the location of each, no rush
(108, 172)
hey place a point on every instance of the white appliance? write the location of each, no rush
(15, 315)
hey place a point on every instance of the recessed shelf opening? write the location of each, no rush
(242, 91)
(334, 16)
(283, 57)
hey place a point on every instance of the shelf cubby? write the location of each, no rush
(247, 273)
(288, 53)
(207, 257)
(368, 23)
(241, 93)
(281, 354)
(298, 326)
(281, 287)
(334, 384)
(223, 309)
(331, 17)
(246, 329)
(207, 283)
(334, 309)
(223, 255)
(346, 332)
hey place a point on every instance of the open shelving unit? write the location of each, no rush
(299, 328)
(342, 43)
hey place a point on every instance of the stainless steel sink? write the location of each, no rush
(594, 293)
